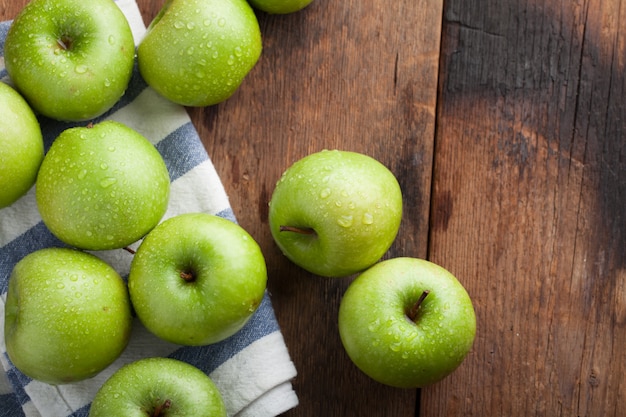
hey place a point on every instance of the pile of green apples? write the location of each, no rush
(405, 322)
(195, 278)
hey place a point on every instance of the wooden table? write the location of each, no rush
(505, 123)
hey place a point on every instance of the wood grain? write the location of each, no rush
(504, 122)
(529, 194)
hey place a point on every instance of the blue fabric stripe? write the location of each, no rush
(10, 407)
(37, 237)
(182, 150)
(18, 381)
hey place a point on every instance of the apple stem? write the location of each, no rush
(187, 276)
(130, 250)
(157, 411)
(301, 230)
(63, 43)
(412, 313)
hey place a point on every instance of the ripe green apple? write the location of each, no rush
(335, 213)
(158, 387)
(279, 6)
(196, 279)
(407, 322)
(103, 186)
(71, 59)
(21, 146)
(67, 315)
(197, 52)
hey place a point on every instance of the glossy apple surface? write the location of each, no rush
(280, 6)
(397, 343)
(197, 52)
(67, 315)
(102, 186)
(158, 387)
(335, 213)
(196, 279)
(71, 59)
(21, 146)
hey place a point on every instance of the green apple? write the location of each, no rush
(158, 387)
(21, 146)
(335, 213)
(196, 279)
(103, 186)
(197, 52)
(71, 59)
(67, 315)
(407, 322)
(279, 6)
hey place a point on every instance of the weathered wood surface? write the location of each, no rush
(529, 199)
(505, 124)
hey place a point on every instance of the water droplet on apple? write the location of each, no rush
(107, 82)
(373, 326)
(221, 22)
(80, 69)
(325, 193)
(368, 218)
(60, 285)
(82, 174)
(238, 51)
(207, 22)
(191, 25)
(179, 25)
(190, 50)
(107, 182)
(345, 221)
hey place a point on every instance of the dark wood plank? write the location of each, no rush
(529, 196)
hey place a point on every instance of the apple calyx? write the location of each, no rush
(159, 408)
(414, 310)
(295, 229)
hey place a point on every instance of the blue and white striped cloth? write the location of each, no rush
(253, 368)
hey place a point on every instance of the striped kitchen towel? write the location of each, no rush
(253, 368)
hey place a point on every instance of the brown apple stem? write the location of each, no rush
(301, 230)
(129, 250)
(412, 313)
(159, 408)
(187, 276)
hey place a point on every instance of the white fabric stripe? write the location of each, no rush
(19, 217)
(253, 371)
(152, 115)
(199, 190)
(273, 403)
(135, 20)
